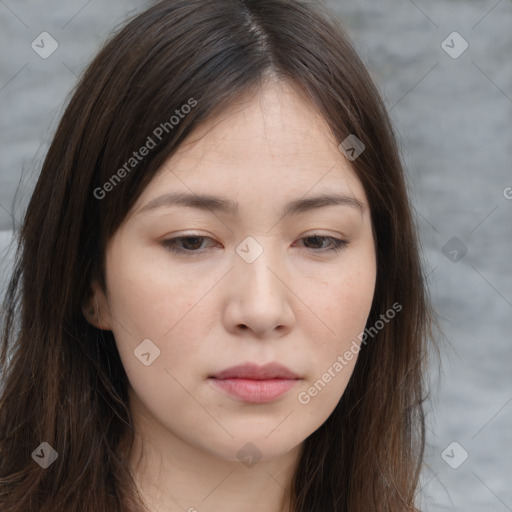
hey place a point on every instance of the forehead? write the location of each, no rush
(272, 144)
(275, 122)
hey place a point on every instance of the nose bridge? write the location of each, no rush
(259, 262)
(259, 298)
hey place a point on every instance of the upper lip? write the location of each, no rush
(256, 372)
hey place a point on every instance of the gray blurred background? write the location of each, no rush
(452, 111)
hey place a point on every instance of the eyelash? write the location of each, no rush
(170, 244)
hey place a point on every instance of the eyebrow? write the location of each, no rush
(220, 204)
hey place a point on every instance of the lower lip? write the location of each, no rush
(255, 391)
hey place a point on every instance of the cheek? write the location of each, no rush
(156, 328)
(149, 298)
(342, 303)
(152, 300)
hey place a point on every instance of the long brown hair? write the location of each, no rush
(63, 381)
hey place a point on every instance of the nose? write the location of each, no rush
(259, 298)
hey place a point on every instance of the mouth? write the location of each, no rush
(251, 383)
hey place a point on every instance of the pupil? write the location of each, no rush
(190, 241)
(317, 239)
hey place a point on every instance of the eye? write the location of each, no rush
(336, 244)
(185, 244)
(193, 244)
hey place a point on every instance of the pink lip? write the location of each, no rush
(255, 384)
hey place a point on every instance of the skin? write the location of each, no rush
(297, 303)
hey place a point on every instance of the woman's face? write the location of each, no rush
(260, 282)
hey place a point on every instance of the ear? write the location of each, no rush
(95, 308)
